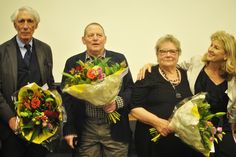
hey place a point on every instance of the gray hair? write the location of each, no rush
(168, 38)
(30, 10)
(93, 23)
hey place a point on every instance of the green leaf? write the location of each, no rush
(107, 71)
(219, 114)
(80, 63)
(68, 75)
(36, 132)
(24, 114)
(27, 126)
(49, 99)
(209, 117)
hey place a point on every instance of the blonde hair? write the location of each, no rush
(227, 68)
(168, 38)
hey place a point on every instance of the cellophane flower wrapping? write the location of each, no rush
(96, 82)
(40, 114)
(190, 122)
(99, 93)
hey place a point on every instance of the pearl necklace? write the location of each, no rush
(174, 82)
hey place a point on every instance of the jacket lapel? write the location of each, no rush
(41, 59)
(12, 56)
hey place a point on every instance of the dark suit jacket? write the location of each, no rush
(76, 108)
(8, 76)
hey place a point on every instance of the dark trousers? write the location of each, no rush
(226, 147)
(13, 146)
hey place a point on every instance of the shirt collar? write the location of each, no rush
(21, 44)
(88, 57)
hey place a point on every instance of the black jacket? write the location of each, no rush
(8, 76)
(75, 108)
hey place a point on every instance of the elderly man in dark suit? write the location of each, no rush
(97, 137)
(23, 59)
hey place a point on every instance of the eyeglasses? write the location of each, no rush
(171, 51)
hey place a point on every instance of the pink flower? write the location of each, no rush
(101, 76)
(27, 104)
(50, 126)
(99, 70)
(44, 124)
(219, 129)
(213, 131)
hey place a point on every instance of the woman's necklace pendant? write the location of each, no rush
(178, 95)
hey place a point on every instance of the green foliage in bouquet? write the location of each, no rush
(91, 71)
(88, 81)
(39, 112)
(194, 113)
(207, 131)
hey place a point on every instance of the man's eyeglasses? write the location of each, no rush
(171, 51)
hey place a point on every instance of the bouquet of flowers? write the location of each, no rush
(96, 82)
(191, 123)
(39, 112)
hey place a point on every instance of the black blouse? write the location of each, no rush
(158, 95)
(216, 96)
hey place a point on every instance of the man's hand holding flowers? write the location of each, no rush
(39, 112)
(109, 108)
(14, 124)
(70, 140)
(98, 83)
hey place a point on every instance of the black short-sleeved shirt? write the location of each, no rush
(158, 96)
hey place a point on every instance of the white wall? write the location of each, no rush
(132, 26)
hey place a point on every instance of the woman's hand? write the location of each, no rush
(142, 71)
(163, 127)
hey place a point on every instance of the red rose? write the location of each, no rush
(91, 74)
(35, 103)
(51, 114)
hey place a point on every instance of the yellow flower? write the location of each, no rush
(195, 111)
